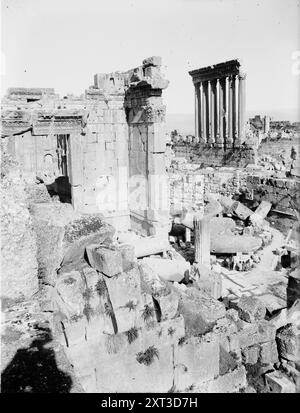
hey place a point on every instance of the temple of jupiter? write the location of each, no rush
(220, 105)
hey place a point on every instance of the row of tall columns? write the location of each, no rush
(220, 111)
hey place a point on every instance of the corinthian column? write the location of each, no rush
(222, 110)
(205, 112)
(234, 112)
(242, 107)
(212, 111)
(209, 118)
(202, 115)
(229, 140)
(197, 110)
(217, 111)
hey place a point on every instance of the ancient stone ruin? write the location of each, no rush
(220, 104)
(132, 264)
(91, 146)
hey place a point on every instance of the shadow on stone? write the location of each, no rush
(61, 187)
(34, 370)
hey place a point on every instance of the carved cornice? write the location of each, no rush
(154, 113)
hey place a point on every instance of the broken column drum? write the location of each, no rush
(202, 239)
(220, 105)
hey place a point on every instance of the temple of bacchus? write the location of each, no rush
(220, 105)
(101, 149)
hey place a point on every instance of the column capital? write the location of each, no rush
(242, 76)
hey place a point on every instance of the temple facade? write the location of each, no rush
(100, 151)
(220, 105)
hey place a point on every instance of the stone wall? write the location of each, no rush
(215, 157)
(95, 143)
(148, 203)
(279, 149)
(251, 187)
(19, 266)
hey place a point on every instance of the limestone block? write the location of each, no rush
(288, 342)
(268, 353)
(263, 209)
(258, 221)
(69, 298)
(277, 382)
(156, 164)
(241, 211)
(197, 361)
(169, 270)
(166, 331)
(250, 355)
(231, 382)
(256, 333)
(168, 303)
(105, 259)
(212, 285)
(79, 233)
(231, 244)
(293, 289)
(19, 266)
(251, 309)
(227, 203)
(200, 311)
(152, 61)
(157, 138)
(128, 256)
(125, 288)
(150, 281)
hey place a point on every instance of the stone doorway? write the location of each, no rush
(61, 186)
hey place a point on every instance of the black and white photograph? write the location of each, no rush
(150, 199)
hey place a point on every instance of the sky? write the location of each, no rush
(63, 43)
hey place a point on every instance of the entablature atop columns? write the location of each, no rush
(218, 71)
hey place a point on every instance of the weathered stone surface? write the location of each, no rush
(288, 342)
(256, 333)
(212, 284)
(287, 316)
(169, 270)
(263, 209)
(268, 353)
(231, 382)
(241, 211)
(168, 303)
(293, 289)
(18, 241)
(200, 311)
(107, 260)
(250, 355)
(231, 244)
(86, 230)
(277, 382)
(125, 296)
(128, 256)
(197, 361)
(251, 309)
(152, 61)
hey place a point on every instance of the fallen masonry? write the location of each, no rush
(110, 294)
